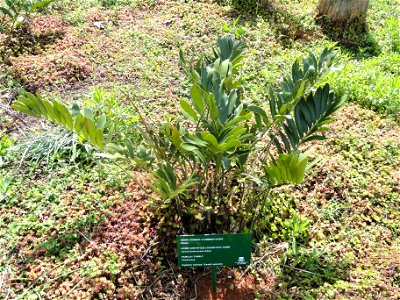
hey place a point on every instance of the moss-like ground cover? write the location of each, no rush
(82, 230)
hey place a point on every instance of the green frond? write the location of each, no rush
(287, 168)
(166, 185)
(304, 74)
(309, 120)
(75, 120)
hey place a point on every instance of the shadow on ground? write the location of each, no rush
(26, 41)
(287, 27)
(310, 269)
(354, 37)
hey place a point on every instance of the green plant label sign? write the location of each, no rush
(214, 250)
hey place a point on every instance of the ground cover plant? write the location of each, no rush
(80, 228)
(14, 14)
(16, 34)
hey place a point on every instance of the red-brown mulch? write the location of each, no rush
(227, 288)
(233, 284)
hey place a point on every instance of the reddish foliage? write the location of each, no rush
(45, 25)
(127, 228)
(63, 68)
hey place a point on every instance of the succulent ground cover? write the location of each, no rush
(82, 229)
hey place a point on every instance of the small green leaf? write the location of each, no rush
(197, 96)
(101, 122)
(188, 111)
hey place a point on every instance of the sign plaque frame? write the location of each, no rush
(214, 250)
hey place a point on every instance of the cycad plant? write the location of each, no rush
(213, 171)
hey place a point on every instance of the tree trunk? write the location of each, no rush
(343, 10)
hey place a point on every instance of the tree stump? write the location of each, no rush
(343, 11)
